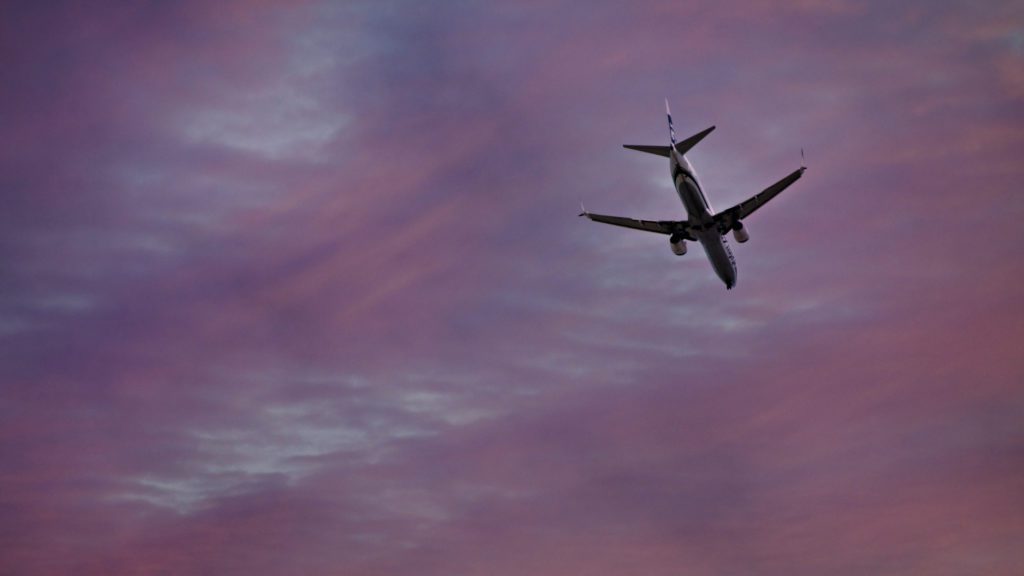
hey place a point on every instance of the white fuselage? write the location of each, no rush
(701, 219)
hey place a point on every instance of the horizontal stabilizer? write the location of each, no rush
(659, 150)
(684, 146)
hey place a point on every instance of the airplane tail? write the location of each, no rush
(671, 130)
(681, 147)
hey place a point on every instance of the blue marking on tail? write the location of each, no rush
(671, 130)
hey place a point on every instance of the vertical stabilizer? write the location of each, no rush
(671, 130)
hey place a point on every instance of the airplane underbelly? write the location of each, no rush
(721, 258)
(690, 195)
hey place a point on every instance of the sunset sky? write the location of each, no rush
(299, 288)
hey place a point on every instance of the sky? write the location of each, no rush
(299, 288)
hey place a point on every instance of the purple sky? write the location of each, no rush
(299, 288)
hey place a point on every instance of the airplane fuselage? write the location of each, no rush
(701, 219)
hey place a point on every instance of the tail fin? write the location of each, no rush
(671, 130)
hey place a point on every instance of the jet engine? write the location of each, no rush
(678, 245)
(740, 233)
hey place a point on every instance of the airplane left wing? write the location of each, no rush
(728, 218)
(658, 226)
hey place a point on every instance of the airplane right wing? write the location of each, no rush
(728, 218)
(658, 226)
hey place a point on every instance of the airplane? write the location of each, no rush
(703, 224)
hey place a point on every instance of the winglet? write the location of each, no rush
(803, 162)
(583, 210)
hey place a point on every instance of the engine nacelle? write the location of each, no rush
(740, 233)
(678, 245)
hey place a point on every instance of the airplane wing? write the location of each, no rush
(728, 218)
(658, 226)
